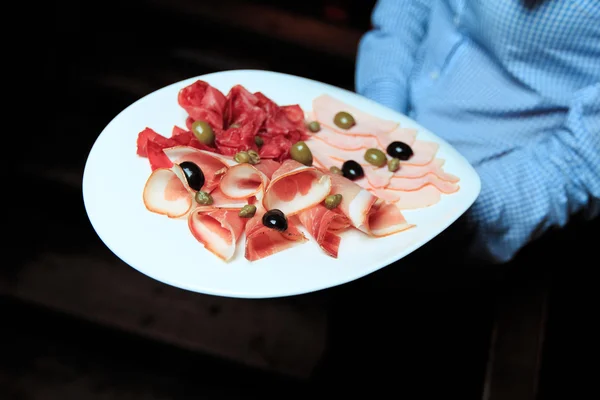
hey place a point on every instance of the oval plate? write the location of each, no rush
(164, 249)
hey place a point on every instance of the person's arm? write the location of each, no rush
(530, 190)
(386, 53)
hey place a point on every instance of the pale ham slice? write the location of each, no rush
(406, 135)
(345, 141)
(212, 165)
(323, 225)
(242, 181)
(262, 241)
(409, 184)
(217, 229)
(424, 197)
(166, 193)
(386, 219)
(417, 171)
(325, 107)
(295, 187)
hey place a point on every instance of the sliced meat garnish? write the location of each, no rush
(217, 229)
(406, 135)
(212, 165)
(409, 184)
(203, 102)
(323, 225)
(328, 156)
(423, 153)
(242, 181)
(165, 193)
(356, 201)
(417, 171)
(386, 219)
(262, 242)
(268, 167)
(426, 196)
(220, 200)
(149, 135)
(325, 107)
(157, 157)
(295, 187)
(345, 141)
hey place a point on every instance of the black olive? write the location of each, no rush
(352, 170)
(399, 150)
(275, 219)
(193, 174)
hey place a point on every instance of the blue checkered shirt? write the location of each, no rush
(516, 91)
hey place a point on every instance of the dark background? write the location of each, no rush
(79, 324)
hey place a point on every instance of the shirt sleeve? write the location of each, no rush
(532, 189)
(386, 53)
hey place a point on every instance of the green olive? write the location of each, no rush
(248, 211)
(336, 170)
(242, 157)
(301, 153)
(258, 140)
(203, 132)
(333, 200)
(203, 198)
(344, 120)
(314, 126)
(375, 157)
(254, 157)
(393, 164)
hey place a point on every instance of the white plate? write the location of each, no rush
(165, 250)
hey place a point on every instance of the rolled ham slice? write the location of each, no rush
(386, 219)
(325, 107)
(217, 229)
(212, 165)
(220, 200)
(167, 193)
(295, 187)
(242, 181)
(262, 241)
(323, 225)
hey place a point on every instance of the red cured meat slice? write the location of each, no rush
(149, 135)
(217, 229)
(295, 187)
(386, 219)
(268, 167)
(262, 242)
(325, 107)
(203, 102)
(220, 200)
(166, 193)
(323, 225)
(242, 181)
(212, 165)
(157, 157)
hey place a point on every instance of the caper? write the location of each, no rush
(254, 157)
(333, 200)
(242, 157)
(203, 132)
(258, 140)
(314, 126)
(344, 120)
(375, 157)
(393, 164)
(248, 211)
(336, 170)
(203, 198)
(301, 153)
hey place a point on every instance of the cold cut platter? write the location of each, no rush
(258, 184)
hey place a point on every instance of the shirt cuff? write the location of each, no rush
(387, 93)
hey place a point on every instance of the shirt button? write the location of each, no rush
(434, 75)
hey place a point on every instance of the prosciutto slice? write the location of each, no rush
(323, 225)
(166, 192)
(242, 181)
(212, 165)
(295, 187)
(365, 210)
(325, 107)
(262, 241)
(217, 229)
